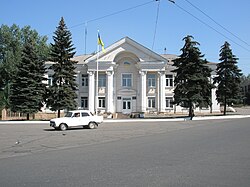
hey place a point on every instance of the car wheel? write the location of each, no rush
(63, 127)
(92, 125)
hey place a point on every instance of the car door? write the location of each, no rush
(75, 119)
(85, 118)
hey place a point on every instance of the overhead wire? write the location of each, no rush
(105, 16)
(197, 8)
(156, 23)
(203, 22)
(112, 14)
(124, 10)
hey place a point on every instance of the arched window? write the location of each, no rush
(126, 63)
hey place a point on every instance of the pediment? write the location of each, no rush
(127, 45)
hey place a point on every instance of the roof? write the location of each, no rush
(80, 59)
(169, 56)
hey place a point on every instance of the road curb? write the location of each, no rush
(178, 119)
(141, 120)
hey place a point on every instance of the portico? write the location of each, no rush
(128, 67)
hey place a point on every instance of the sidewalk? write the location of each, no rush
(198, 118)
(242, 110)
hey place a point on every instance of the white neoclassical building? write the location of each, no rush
(131, 79)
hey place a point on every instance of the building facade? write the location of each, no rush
(245, 87)
(131, 79)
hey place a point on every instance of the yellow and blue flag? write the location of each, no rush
(100, 42)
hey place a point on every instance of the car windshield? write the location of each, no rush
(68, 114)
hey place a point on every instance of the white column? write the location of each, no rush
(78, 82)
(110, 92)
(143, 91)
(91, 100)
(215, 104)
(162, 91)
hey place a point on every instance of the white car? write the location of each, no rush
(76, 118)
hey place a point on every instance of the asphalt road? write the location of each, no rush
(190, 153)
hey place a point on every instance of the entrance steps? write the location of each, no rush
(123, 116)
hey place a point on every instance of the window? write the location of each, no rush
(126, 103)
(151, 80)
(151, 102)
(102, 80)
(169, 102)
(126, 80)
(84, 102)
(77, 115)
(169, 81)
(84, 114)
(50, 80)
(101, 101)
(85, 80)
(68, 114)
(126, 63)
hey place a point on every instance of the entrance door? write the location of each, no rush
(126, 105)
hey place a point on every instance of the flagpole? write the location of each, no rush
(85, 38)
(97, 71)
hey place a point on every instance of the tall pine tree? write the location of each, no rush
(62, 92)
(193, 88)
(228, 78)
(27, 89)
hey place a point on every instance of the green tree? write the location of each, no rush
(228, 78)
(62, 92)
(10, 55)
(193, 88)
(12, 41)
(27, 88)
(40, 42)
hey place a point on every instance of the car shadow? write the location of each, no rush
(70, 129)
(50, 130)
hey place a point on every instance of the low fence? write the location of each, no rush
(9, 115)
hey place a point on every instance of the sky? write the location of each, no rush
(157, 25)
